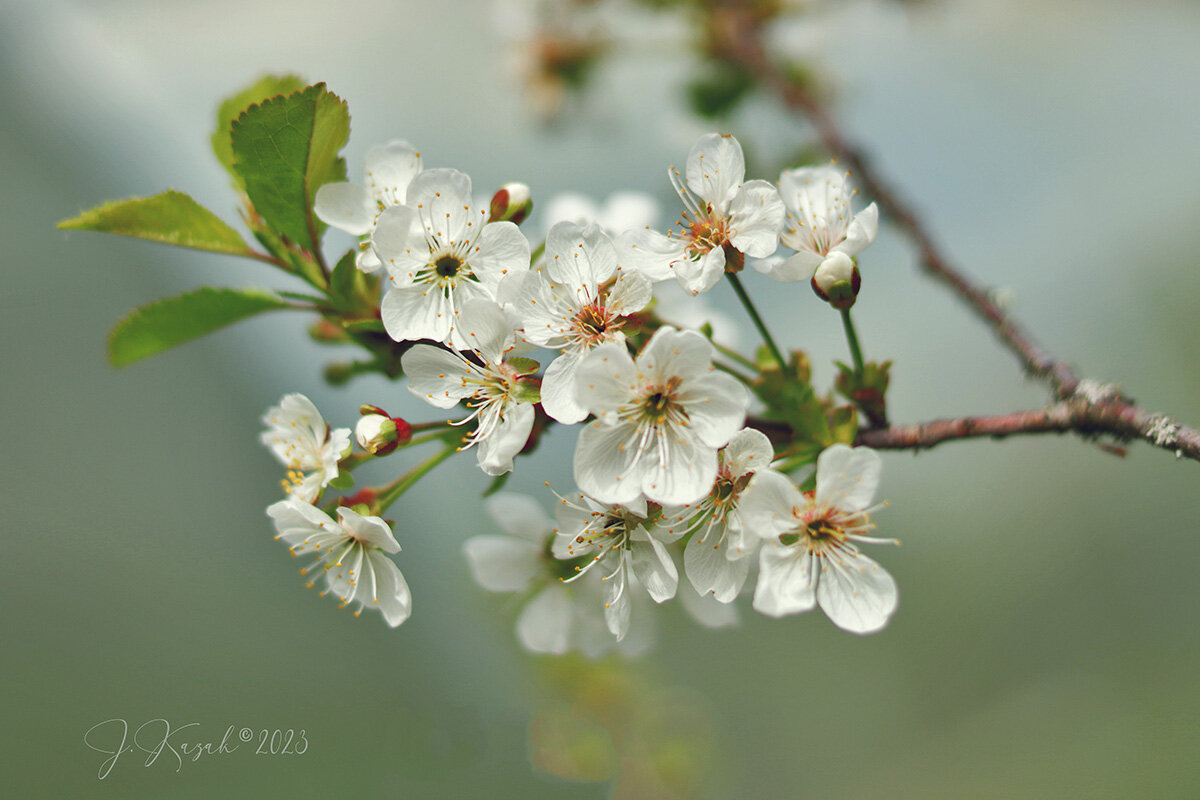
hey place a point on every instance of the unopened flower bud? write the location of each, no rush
(837, 280)
(379, 434)
(513, 203)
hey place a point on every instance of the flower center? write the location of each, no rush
(723, 489)
(820, 530)
(447, 266)
(708, 233)
(593, 322)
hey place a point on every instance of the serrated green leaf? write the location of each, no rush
(285, 149)
(171, 218)
(264, 88)
(159, 326)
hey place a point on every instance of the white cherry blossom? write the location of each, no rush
(659, 419)
(351, 554)
(717, 556)
(499, 394)
(441, 253)
(616, 542)
(555, 617)
(821, 227)
(300, 438)
(811, 554)
(571, 305)
(724, 217)
(388, 170)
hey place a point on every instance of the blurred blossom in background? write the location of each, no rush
(1046, 640)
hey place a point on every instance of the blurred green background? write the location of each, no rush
(1047, 639)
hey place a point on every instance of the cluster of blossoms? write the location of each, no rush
(664, 462)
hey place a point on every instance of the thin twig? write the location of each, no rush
(741, 45)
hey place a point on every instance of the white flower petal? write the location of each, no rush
(399, 240)
(502, 563)
(786, 581)
(682, 472)
(710, 570)
(862, 231)
(799, 267)
(390, 169)
(675, 354)
(416, 312)
(603, 458)
(545, 623)
(756, 219)
(653, 566)
(436, 376)
(768, 506)
(370, 529)
(650, 253)
(617, 603)
(847, 477)
(442, 198)
(392, 596)
(496, 452)
(558, 390)
(500, 250)
(486, 328)
(856, 593)
(345, 206)
(630, 294)
(698, 275)
(749, 450)
(606, 378)
(715, 166)
(716, 405)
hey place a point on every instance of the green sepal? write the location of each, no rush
(843, 425)
(162, 325)
(868, 391)
(170, 218)
(285, 149)
(264, 88)
(525, 366)
(344, 280)
(343, 482)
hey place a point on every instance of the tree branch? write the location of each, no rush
(1117, 418)
(736, 36)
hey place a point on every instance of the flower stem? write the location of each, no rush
(391, 493)
(731, 371)
(756, 319)
(852, 339)
(734, 355)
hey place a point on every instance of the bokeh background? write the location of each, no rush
(1047, 639)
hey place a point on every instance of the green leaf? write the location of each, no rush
(285, 149)
(167, 323)
(171, 218)
(264, 88)
(343, 280)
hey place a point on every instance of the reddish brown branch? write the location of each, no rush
(1116, 418)
(740, 43)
